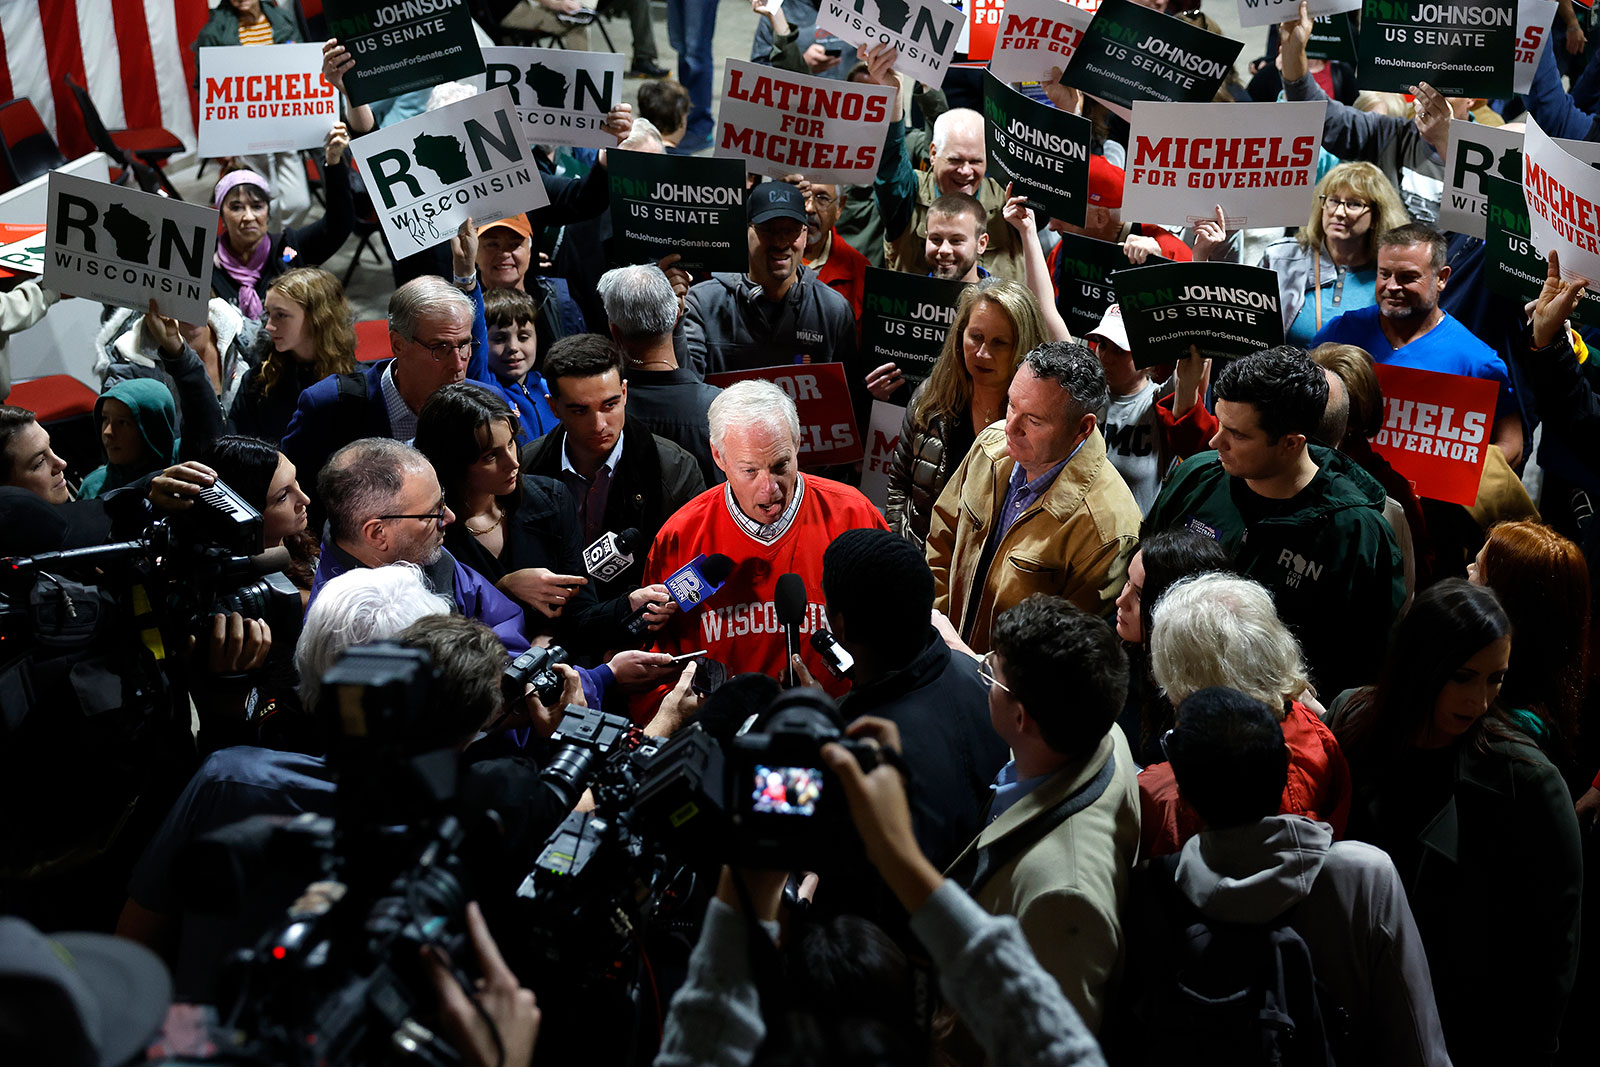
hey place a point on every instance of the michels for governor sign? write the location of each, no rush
(781, 123)
(1036, 35)
(1133, 53)
(401, 46)
(1460, 47)
(561, 96)
(1436, 430)
(264, 100)
(1563, 196)
(124, 247)
(690, 205)
(1257, 160)
(925, 31)
(1041, 151)
(821, 398)
(429, 174)
(1223, 309)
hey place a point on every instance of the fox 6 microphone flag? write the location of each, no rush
(611, 555)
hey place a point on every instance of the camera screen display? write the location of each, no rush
(785, 790)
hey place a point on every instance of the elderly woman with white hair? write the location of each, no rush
(769, 518)
(1218, 629)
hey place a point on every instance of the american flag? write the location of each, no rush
(132, 54)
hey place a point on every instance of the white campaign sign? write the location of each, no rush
(25, 256)
(1034, 36)
(925, 31)
(255, 100)
(782, 123)
(1271, 12)
(1534, 18)
(561, 96)
(1563, 196)
(1258, 161)
(125, 247)
(1475, 150)
(883, 433)
(429, 174)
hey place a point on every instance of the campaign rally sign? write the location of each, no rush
(125, 247)
(1271, 12)
(925, 31)
(983, 25)
(429, 174)
(904, 320)
(1476, 151)
(1258, 161)
(1460, 47)
(1084, 267)
(1436, 430)
(1133, 53)
(401, 46)
(1036, 35)
(1041, 151)
(782, 123)
(1513, 267)
(822, 397)
(1534, 18)
(561, 96)
(256, 100)
(690, 205)
(1332, 38)
(1223, 309)
(883, 437)
(1563, 205)
(23, 250)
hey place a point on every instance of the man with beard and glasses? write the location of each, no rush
(1408, 328)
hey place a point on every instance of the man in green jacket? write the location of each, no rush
(1304, 521)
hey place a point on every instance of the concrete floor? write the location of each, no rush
(372, 282)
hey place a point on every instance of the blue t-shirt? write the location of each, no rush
(1448, 348)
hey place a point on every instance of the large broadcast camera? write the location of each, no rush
(205, 561)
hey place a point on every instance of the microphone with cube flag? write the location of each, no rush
(611, 555)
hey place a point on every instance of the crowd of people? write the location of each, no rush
(1200, 736)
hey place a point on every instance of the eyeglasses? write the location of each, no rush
(435, 517)
(442, 350)
(986, 672)
(822, 200)
(1352, 208)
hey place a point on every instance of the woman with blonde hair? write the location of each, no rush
(997, 323)
(1331, 266)
(309, 323)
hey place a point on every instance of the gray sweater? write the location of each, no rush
(1010, 1004)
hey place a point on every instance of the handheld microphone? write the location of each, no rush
(839, 662)
(789, 599)
(611, 555)
(698, 579)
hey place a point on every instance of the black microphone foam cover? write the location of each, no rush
(717, 567)
(628, 540)
(790, 599)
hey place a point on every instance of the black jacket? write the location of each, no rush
(942, 708)
(654, 478)
(674, 404)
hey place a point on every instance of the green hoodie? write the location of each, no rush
(1326, 555)
(153, 409)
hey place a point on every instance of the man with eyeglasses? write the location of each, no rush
(1061, 831)
(437, 337)
(835, 263)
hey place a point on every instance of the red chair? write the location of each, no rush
(150, 145)
(64, 406)
(372, 341)
(26, 146)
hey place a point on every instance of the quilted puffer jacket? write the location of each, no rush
(923, 461)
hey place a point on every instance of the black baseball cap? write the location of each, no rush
(777, 200)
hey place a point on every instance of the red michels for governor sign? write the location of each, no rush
(1436, 430)
(822, 397)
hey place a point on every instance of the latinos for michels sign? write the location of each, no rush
(781, 123)
(429, 174)
(1435, 430)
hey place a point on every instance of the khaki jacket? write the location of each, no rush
(1074, 542)
(1003, 257)
(1067, 890)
